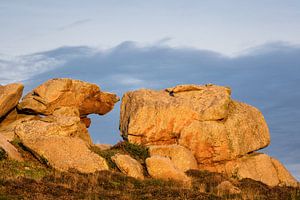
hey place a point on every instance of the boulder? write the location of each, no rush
(257, 166)
(54, 93)
(65, 121)
(10, 150)
(226, 188)
(11, 120)
(160, 167)
(182, 158)
(203, 119)
(9, 97)
(128, 166)
(62, 152)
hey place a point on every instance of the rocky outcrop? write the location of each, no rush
(10, 150)
(160, 167)
(87, 97)
(180, 156)
(257, 166)
(9, 97)
(65, 121)
(204, 119)
(128, 166)
(222, 134)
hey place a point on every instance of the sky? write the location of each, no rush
(251, 46)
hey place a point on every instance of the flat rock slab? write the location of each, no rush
(55, 93)
(9, 97)
(64, 153)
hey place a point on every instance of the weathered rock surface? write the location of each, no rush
(62, 152)
(243, 131)
(128, 166)
(226, 188)
(9, 97)
(59, 92)
(65, 121)
(11, 151)
(182, 158)
(160, 167)
(204, 119)
(11, 120)
(257, 166)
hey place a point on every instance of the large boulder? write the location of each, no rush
(257, 166)
(9, 97)
(59, 151)
(54, 93)
(65, 121)
(10, 150)
(182, 158)
(160, 167)
(128, 165)
(204, 119)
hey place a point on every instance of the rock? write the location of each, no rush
(11, 120)
(203, 119)
(10, 150)
(160, 167)
(87, 121)
(59, 92)
(157, 117)
(65, 121)
(227, 188)
(243, 131)
(181, 157)
(9, 97)
(103, 146)
(257, 166)
(62, 152)
(128, 166)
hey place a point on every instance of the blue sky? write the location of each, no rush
(252, 46)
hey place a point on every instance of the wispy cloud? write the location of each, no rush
(74, 24)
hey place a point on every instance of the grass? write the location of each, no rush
(3, 154)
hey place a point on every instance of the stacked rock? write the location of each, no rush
(222, 134)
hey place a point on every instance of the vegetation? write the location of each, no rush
(32, 179)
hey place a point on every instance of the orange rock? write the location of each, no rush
(9, 97)
(59, 92)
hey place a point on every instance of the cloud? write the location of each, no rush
(74, 24)
(266, 76)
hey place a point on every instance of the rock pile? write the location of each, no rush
(187, 127)
(222, 134)
(51, 121)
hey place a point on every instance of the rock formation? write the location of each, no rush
(51, 122)
(217, 130)
(87, 97)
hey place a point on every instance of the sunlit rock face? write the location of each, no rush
(54, 93)
(9, 97)
(220, 133)
(203, 119)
